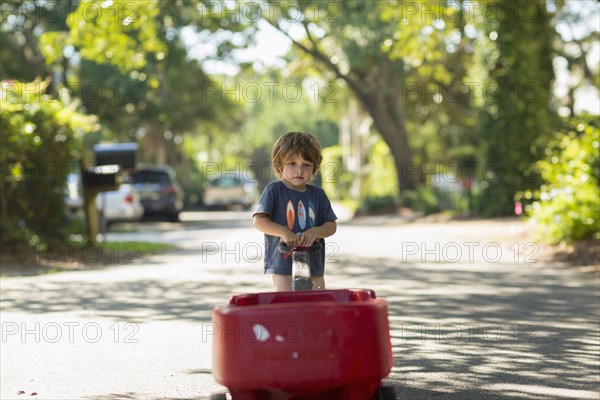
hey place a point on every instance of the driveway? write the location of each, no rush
(474, 311)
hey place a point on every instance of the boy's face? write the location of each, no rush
(297, 172)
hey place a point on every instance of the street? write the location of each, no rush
(474, 313)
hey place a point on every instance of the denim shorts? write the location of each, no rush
(275, 263)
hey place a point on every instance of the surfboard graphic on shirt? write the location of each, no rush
(290, 214)
(312, 216)
(301, 215)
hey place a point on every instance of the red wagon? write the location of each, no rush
(303, 345)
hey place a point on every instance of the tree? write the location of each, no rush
(122, 61)
(127, 62)
(516, 121)
(20, 56)
(263, 106)
(358, 42)
(575, 23)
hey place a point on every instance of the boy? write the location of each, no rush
(293, 211)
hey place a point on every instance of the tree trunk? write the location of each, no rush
(381, 100)
(390, 123)
(155, 153)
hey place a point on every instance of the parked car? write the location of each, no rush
(120, 205)
(160, 194)
(230, 190)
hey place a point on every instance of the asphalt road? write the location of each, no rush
(474, 313)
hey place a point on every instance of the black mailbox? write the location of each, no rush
(101, 176)
(121, 154)
(111, 160)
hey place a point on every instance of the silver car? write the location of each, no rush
(229, 191)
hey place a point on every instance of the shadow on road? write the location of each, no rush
(459, 331)
(494, 331)
(140, 301)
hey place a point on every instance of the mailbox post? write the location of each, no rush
(110, 161)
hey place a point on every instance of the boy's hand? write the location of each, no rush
(290, 238)
(308, 237)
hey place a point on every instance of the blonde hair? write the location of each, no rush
(293, 144)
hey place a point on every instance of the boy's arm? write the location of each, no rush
(263, 223)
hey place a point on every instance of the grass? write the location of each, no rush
(123, 228)
(142, 247)
(77, 255)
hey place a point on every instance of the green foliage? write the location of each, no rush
(336, 180)
(417, 76)
(381, 176)
(568, 204)
(190, 173)
(515, 119)
(378, 180)
(378, 204)
(372, 49)
(161, 100)
(20, 25)
(39, 147)
(378, 189)
(272, 111)
(273, 105)
(118, 32)
(423, 199)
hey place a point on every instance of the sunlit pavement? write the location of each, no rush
(474, 314)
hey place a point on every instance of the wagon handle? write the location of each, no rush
(287, 250)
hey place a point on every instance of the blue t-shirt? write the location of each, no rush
(298, 211)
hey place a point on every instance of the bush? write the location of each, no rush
(38, 149)
(191, 179)
(381, 173)
(378, 205)
(423, 199)
(335, 180)
(376, 179)
(567, 207)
